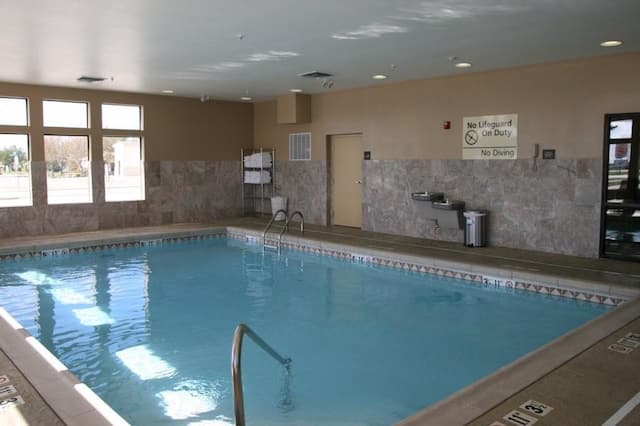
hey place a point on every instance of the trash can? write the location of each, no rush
(279, 203)
(475, 230)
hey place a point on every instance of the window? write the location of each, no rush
(620, 229)
(68, 169)
(15, 178)
(123, 171)
(620, 129)
(65, 114)
(13, 112)
(124, 117)
(123, 167)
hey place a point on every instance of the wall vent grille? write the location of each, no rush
(300, 146)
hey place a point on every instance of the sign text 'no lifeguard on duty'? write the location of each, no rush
(490, 137)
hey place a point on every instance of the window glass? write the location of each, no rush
(68, 169)
(123, 170)
(65, 114)
(15, 177)
(125, 117)
(620, 129)
(618, 180)
(13, 111)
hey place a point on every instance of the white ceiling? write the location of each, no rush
(194, 46)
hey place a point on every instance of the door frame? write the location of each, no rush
(330, 202)
(633, 160)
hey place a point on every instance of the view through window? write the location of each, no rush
(15, 179)
(123, 168)
(15, 176)
(68, 169)
(13, 112)
(67, 152)
(65, 114)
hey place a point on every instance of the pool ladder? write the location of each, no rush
(236, 369)
(284, 229)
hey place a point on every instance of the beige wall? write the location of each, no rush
(174, 128)
(560, 105)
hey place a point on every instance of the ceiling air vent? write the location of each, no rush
(315, 74)
(86, 79)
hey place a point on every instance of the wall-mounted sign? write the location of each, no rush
(490, 137)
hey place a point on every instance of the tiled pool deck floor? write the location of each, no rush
(585, 387)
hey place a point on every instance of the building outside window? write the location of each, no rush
(15, 174)
(67, 154)
(68, 169)
(123, 169)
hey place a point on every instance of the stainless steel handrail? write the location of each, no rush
(236, 367)
(273, 218)
(286, 226)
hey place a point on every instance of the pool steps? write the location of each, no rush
(284, 229)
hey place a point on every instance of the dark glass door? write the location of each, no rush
(620, 230)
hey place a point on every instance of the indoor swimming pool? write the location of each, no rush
(149, 329)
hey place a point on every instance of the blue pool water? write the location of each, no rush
(150, 330)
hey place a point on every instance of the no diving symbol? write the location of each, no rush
(471, 137)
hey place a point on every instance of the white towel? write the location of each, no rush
(258, 160)
(257, 176)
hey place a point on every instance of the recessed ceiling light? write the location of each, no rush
(611, 43)
(245, 98)
(167, 91)
(463, 65)
(379, 77)
(295, 90)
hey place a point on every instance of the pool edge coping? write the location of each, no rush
(39, 362)
(589, 291)
(50, 378)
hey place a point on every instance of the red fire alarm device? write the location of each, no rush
(446, 125)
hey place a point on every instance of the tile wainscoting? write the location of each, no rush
(550, 206)
(176, 191)
(304, 183)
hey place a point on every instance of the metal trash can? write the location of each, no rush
(279, 203)
(475, 230)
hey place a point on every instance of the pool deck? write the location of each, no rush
(577, 375)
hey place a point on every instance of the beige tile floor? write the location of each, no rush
(584, 390)
(35, 410)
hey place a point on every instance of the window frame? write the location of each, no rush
(109, 129)
(27, 110)
(22, 129)
(143, 189)
(29, 174)
(87, 128)
(87, 135)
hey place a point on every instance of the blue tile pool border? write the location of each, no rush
(336, 251)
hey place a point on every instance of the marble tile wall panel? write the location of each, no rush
(551, 206)
(304, 183)
(176, 191)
